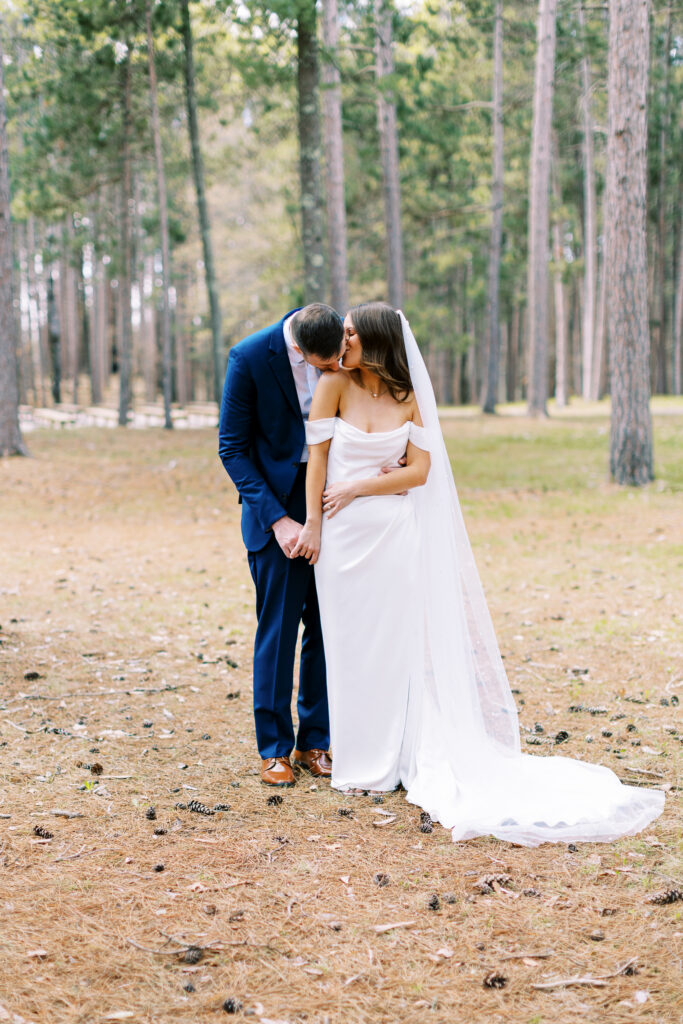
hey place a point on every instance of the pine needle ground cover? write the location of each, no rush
(147, 875)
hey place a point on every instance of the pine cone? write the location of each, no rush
(662, 899)
(491, 880)
(345, 812)
(495, 980)
(221, 807)
(43, 833)
(151, 814)
(193, 955)
(434, 903)
(426, 827)
(198, 807)
(232, 1006)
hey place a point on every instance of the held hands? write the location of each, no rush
(287, 532)
(338, 496)
(309, 542)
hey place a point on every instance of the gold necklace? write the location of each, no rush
(375, 394)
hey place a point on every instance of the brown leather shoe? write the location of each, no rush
(277, 771)
(317, 762)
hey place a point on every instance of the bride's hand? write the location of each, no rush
(308, 545)
(336, 497)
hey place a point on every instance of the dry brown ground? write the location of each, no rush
(126, 619)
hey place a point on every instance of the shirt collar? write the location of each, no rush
(295, 356)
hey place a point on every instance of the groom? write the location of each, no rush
(268, 390)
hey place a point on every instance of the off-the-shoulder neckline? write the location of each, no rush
(360, 430)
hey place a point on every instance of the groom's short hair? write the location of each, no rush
(318, 330)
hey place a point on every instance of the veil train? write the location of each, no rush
(471, 774)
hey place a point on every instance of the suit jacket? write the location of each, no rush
(261, 430)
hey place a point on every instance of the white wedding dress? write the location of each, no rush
(417, 691)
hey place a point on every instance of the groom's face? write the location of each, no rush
(324, 364)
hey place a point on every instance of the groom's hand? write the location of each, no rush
(403, 461)
(287, 532)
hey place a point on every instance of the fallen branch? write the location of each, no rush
(597, 981)
(102, 693)
(74, 856)
(382, 928)
(531, 956)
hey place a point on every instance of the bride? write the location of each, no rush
(417, 691)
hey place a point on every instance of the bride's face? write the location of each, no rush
(353, 357)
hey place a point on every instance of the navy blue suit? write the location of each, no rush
(261, 437)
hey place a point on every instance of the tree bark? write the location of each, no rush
(388, 139)
(126, 275)
(678, 323)
(218, 355)
(11, 441)
(334, 160)
(71, 319)
(537, 291)
(490, 390)
(166, 350)
(561, 341)
(660, 376)
(309, 152)
(626, 242)
(590, 236)
(54, 341)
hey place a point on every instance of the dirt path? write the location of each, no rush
(126, 616)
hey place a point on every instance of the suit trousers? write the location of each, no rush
(285, 597)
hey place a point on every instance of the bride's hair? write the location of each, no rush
(379, 328)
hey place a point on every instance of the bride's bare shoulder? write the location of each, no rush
(415, 411)
(327, 395)
(332, 382)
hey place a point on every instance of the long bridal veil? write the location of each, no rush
(470, 772)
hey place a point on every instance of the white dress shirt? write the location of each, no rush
(305, 376)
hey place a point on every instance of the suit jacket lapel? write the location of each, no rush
(281, 367)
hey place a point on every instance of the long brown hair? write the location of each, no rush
(381, 336)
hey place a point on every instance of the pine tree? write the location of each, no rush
(626, 243)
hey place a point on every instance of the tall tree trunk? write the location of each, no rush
(388, 140)
(85, 323)
(490, 390)
(590, 234)
(218, 355)
(626, 242)
(72, 324)
(166, 350)
(334, 160)
(126, 275)
(34, 303)
(598, 368)
(309, 152)
(660, 374)
(97, 332)
(678, 322)
(561, 342)
(537, 291)
(27, 351)
(11, 441)
(182, 383)
(54, 341)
